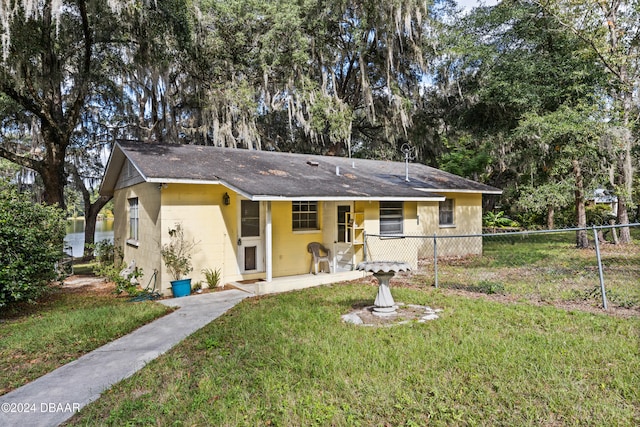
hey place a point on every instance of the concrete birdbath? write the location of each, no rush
(384, 271)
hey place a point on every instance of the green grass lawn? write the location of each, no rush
(542, 267)
(288, 359)
(36, 339)
(84, 268)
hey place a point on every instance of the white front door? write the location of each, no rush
(250, 240)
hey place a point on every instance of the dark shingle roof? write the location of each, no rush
(272, 175)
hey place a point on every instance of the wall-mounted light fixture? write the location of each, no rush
(226, 200)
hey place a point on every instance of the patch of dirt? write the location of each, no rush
(405, 313)
(88, 285)
(100, 286)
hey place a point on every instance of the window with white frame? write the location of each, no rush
(446, 212)
(344, 224)
(391, 217)
(304, 215)
(134, 219)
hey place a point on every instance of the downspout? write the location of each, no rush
(268, 243)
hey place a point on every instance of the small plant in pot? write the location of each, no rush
(177, 258)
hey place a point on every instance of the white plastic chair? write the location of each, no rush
(316, 249)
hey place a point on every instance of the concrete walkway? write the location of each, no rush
(54, 398)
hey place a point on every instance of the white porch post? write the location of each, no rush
(268, 243)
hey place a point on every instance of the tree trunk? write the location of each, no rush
(53, 179)
(623, 183)
(614, 233)
(54, 127)
(51, 167)
(623, 218)
(91, 211)
(624, 96)
(90, 218)
(582, 240)
(550, 217)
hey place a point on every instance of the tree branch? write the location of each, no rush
(81, 87)
(28, 103)
(585, 39)
(23, 161)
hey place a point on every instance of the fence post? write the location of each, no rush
(364, 245)
(599, 258)
(435, 258)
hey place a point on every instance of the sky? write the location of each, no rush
(469, 4)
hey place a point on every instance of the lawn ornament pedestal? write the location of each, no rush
(384, 271)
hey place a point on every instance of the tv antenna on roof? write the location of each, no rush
(409, 154)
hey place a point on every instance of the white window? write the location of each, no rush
(446, 212)
(344, 226)
(305, 215)
(391, 217)
(134, 219)
(250, 219)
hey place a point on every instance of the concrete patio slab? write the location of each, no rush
(302, 281)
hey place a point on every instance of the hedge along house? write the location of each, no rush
(252, 213)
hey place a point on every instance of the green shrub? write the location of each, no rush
(497, 220)
(109, 265)
(128, 282)
(31, 242)
(107, 253)
(599, 214)
(490, 288)
(212, 277)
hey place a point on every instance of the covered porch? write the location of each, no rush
(290, 283)
(279, 251)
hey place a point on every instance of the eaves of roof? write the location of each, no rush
(263, 175)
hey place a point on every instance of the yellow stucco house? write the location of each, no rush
(252, 213)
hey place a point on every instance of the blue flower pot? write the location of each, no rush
(181, 288)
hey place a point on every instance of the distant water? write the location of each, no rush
(75, 234)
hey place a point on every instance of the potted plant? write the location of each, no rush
(177, 257)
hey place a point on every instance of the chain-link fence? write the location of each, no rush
(541, 265)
